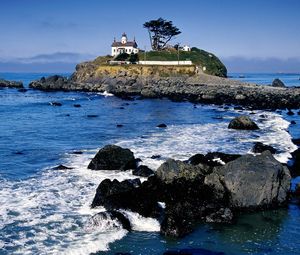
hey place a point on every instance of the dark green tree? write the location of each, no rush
(133, 58)
(161, 32)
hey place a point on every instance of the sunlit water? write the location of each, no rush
(46, 211)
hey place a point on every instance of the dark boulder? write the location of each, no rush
(161, 125)
(51, 83)
(143, 171)
(252, 181)
(129, 194)
(295, 168)
(293, 122)
(242, 122)
(278, 83)
(77, 105)
(260, 147)
(290, 113)
(112, 157)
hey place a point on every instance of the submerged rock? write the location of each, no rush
(260, 147)
(243, 122)
(55, 103)
(112, 157)
(161, 125)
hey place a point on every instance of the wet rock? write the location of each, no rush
(61, 167)
(55, 103)
(112, 215)
(143, 171)
(155, 156)
(76, 105)
(253, 181)
(295, 168)
(128, 195)
(175, 169)
(119, 125)
(243, 123)
(112, 157)
(224, 215)
(278, 83)
(293, 122)
(260, 147)
(10, 84)
(290, 113)
(161, 125)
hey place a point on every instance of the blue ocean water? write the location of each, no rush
(46, 211)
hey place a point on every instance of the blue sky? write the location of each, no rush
(68, 31)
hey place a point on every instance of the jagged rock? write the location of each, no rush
(242, 122)
(290, 113)
(112, 157)
(175, 169)
(61, 167)
(252, 181)
(260, 147)
(11, 84)
(143, 171)
(155, 156)
(278, 83)
(128, 194)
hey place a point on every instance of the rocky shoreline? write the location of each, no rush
(210, 188)
(200, 88)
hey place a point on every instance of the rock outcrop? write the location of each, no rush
(278, 83)
(243, 122)
(11, 84)
(252, 181)
(112, 157)
(200, 88)
(200, 192)
(260, 147)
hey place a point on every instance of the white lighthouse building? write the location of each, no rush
(124, 46)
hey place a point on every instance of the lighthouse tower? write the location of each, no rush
(124, 38)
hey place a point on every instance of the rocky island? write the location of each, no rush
(179, 83)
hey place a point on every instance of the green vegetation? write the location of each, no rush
(199, 57)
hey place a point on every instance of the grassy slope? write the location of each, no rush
(199, 57)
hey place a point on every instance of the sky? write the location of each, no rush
(54, 35)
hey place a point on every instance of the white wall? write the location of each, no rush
(171, 63)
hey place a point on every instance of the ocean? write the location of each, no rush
(46, 211)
